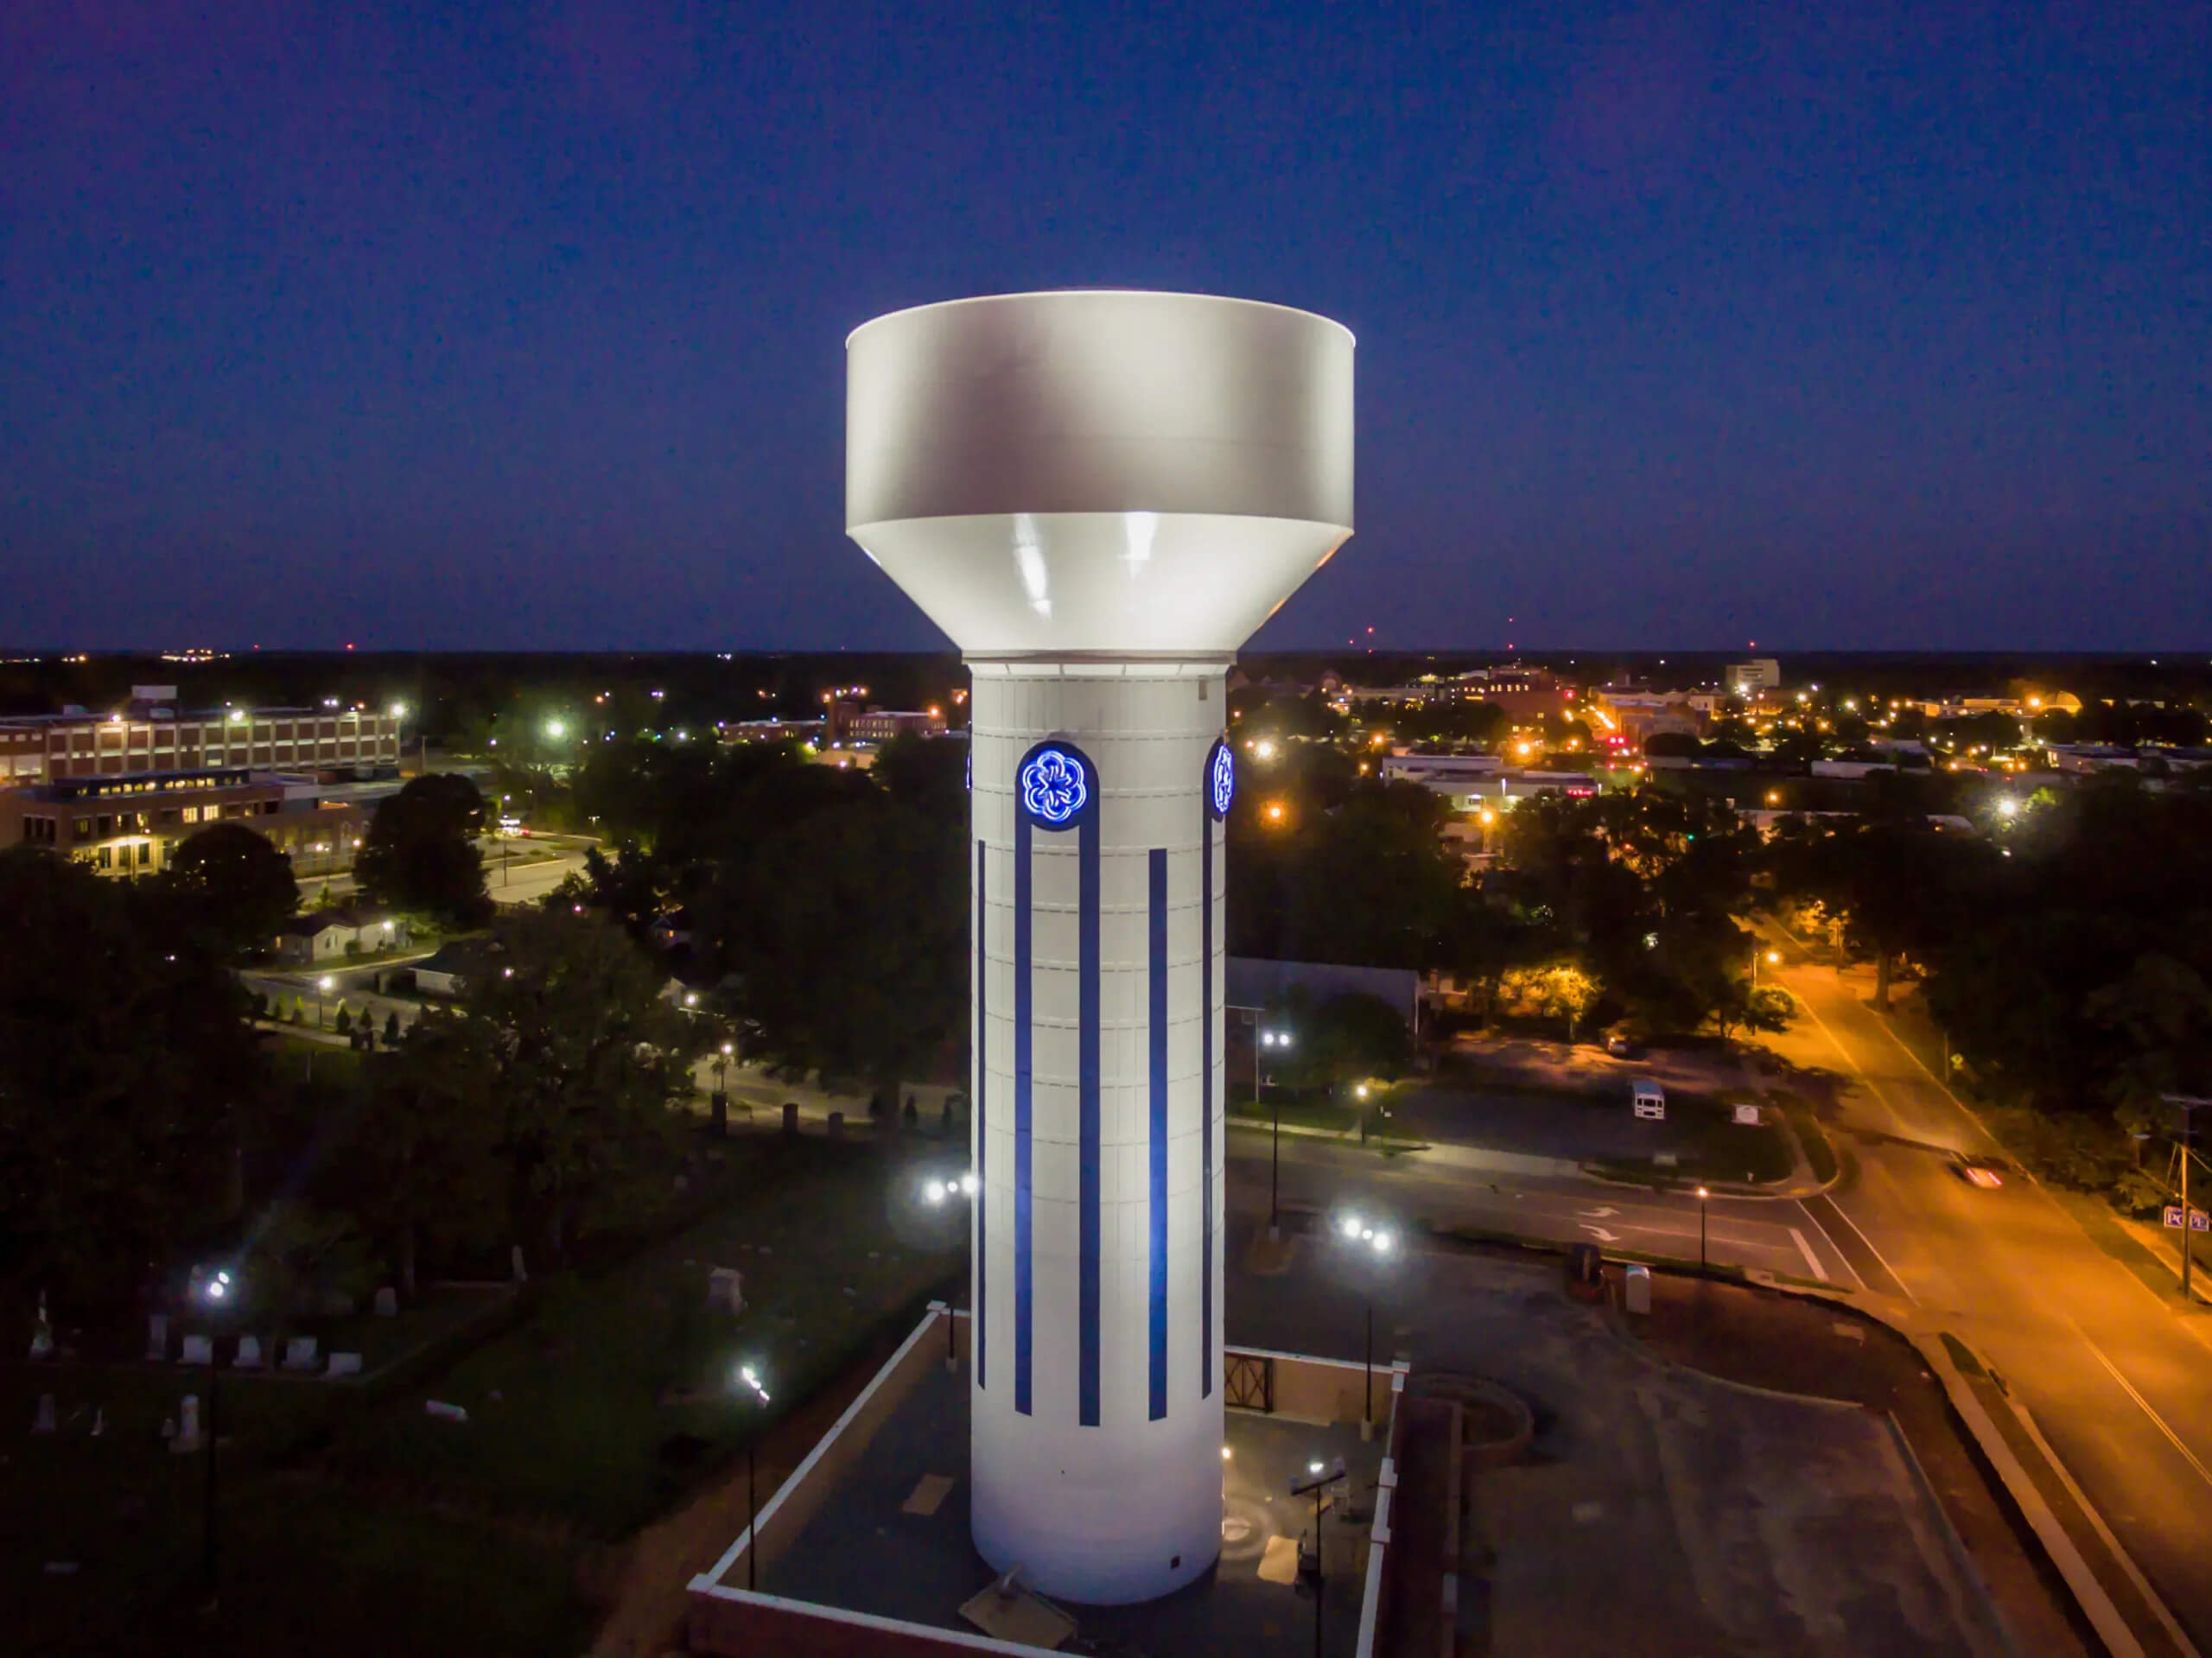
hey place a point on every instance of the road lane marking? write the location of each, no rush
(1843, 1054)
(1811, 1260)
(1904, 1288)
(2133, 1572)
(2172, 1438)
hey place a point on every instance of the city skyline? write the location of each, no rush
(1881, 333)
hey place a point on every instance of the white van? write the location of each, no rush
(1649, 1100)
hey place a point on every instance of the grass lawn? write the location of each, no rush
(1819, 1151)
(607, 1404)
(1327, 1114)
(1709, 1144)
(299, 1057)
(387, 1530)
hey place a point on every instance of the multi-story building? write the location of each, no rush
(131, 823)
(849, 722)
(1748, 679)
(150, 739)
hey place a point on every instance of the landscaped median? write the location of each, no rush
(1701, 1141)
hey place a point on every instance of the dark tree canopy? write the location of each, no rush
(1366, 881)
(124, 1062)
(420, 852)
(587, 1062)
(232, 887)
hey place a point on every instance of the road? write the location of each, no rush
(2118, 1375)
(508, 879)
(511, 883)
(1452, 1185)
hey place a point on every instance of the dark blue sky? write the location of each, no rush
(1841, 325)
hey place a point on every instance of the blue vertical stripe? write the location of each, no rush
(1023, 1274)
(1205, 1103)
(1087, 1242)
(1157, 1024)
(977, 1253)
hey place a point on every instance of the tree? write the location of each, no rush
(1370, 883)
(298, 1258)
(232, 887)
(848, 929)
(425, 1159)
(1557, 990)
(420, 852)
(591, 1064)
(125, 1061)
(1354, 1036)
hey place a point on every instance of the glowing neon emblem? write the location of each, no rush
(1221, 780)
(1053, 787)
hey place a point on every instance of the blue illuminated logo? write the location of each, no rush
(1053, 786)
(1221, 780)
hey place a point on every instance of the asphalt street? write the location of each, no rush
(2117, 1375)
(1463, 1186)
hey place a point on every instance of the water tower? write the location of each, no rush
(1099, 496)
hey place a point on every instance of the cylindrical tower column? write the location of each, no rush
(1097, 1123)
(1098, 495)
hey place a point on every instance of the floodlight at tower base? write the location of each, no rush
(1098, 495)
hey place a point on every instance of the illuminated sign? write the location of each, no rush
(1221, 780)
(1054, 786)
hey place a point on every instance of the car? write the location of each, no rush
(1977, 1170)
(1620, 1047)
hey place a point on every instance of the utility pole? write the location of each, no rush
(2187, 1105)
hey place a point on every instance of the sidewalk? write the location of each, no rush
(1801, 1182)
(1798, 1346)
(2107, 1587)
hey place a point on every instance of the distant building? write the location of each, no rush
(1748, 679)
(449, 972)
(1473, 789)
(333, 934)
(1249, 984)
(1433, 769)
(770, 731)
(849, 722)
(132, 824)
(151, 738)
(1636, 717)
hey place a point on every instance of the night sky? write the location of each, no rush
(1841, 325)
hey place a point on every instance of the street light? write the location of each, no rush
(750, 1378)
(557, 730)
(2187, 1108)
(323, 987)
(214, 1292)
(1374, 1243)
(937, 1192)
(1272, 1039)
(1319, 1477)
(1700, 1231)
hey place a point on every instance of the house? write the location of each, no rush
(334, 935)
(449, 971)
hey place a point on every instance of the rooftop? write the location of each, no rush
(875, 1527)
